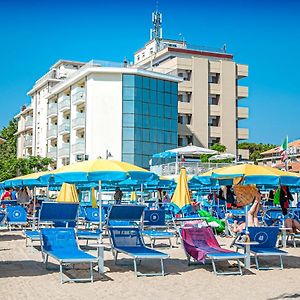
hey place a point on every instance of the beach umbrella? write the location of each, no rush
(68, 193)
(181, 200)
(95, 170)
(254, 174)
(27, 180)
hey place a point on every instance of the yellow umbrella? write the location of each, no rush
(68, 193)
(94, 201)
(133, 196)
(181, 197)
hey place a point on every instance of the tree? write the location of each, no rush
(10, 165)
(255, 150)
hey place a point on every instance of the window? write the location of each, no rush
(184, 119)
(213, 99)
(214, 78)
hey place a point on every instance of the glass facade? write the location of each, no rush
(150, 112)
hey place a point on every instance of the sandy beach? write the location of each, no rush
(23, 276)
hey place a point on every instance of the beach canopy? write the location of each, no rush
(254, 174)
(192, 150)
(97, 170)
(181, 200)
(68, 193)
(222, 156)
(26, 180)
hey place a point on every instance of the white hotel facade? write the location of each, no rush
(84, 111)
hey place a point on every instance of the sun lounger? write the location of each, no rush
(154, 225)
(125, 236)
(61, 245)
(273, 217)
(130, 242)
(266, 237)
(201, 244)
(16, 216)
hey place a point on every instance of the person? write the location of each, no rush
(31, 205)
(285, 197)
(23, 196)
(14, 194)
(6, 195)
(252, 215)
(270, 201)
(118, 195)
(226, 193)
(160, 197)
(166, 198)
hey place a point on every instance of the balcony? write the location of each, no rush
(243, 153)
(28, 142)
(214, 88)
(214, 110)
(64, 151)
(52, 110)
(185, 107)
(52, 152)
(214, 131)
(242, 71)
(64, 128)
(78, 96)
(185, 86)
(243, 133)
(52, 132)
(242, 113)
(79, 121)
(64, 104)
(242, 92)
(78, 147)
(28, 122)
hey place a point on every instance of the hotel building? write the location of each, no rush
(84, 111)
(209, 96)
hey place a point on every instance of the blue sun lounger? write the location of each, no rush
(267, 239)
(125, 236)
(154, 225)
(16, 216)
(51, 213)
(61, 245)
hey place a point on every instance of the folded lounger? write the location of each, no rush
(61, 244)
(201, 244)
(267, 239)
(128, 240)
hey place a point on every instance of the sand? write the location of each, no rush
(23, 276)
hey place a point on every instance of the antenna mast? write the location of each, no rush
(156, 31)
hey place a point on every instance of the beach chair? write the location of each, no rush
(201, 244)
(154, 225)
(2, 217)
(51, 213)
(92, 216)
(128, 240)
(125, 236)
(61, 245)
(16, 216)
(273, 217)
(266, 247)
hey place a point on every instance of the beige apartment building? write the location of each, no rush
(210, 96)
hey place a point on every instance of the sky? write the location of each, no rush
(263, 34)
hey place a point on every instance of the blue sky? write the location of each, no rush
(263, 34)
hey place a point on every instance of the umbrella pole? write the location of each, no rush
(176, 164)
(48, 191)
(33, 212)
(100, 208)
(142, 192)
(246, 219)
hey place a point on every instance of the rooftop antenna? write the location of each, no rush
(156, 31)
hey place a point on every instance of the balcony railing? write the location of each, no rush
(78, 121)
(78, 97)
(28, 122)
(52, 132)
(64, 128)
(28, 142)
(64, 104)
(78, 147)
(64, 150)
(52, 152)
(52, 109)
(192, 168)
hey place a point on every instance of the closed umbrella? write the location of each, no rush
(68, 193)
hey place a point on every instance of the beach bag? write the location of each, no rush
(277, 197)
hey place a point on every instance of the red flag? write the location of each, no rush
(182, 158)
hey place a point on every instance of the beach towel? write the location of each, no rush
(198, 242)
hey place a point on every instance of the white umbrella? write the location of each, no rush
(222, 156)
(192, 150)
